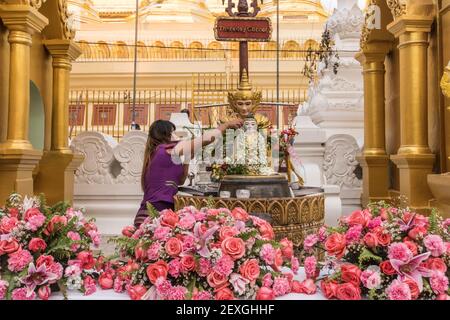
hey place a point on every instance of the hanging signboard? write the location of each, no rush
(243, 29)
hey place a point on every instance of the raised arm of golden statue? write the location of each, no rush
(245, 101)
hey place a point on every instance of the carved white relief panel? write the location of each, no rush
(130, 155)
(340, 161)
(98, 157)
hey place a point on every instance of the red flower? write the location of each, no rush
(136, 292)
(157, 270)
(387, 268)
(9, 246)
(37, 244)
(348, 291)
(86, 259)
(224, 293)
(265, 293)
(250, 269)
(413, 287)
(335, 245)
(328, 288)
(106, 281)
(351, 274)
(169, 218)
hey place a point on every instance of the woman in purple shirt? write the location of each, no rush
(163, 171)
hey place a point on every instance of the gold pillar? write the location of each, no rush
(17, 156)
(63, 53)
(56, 169)
(414, 159)
(374, 159)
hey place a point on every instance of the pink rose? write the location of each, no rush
(435, 264)
(55, 224)
(335, 245)
(169, 218)
(173, 247)
(106, 281)
(136, 292)
(250, 269)
(386, 268)
(328, 288)
(37, 244)
(360, 217)
(224, 293)
(351, 274)
(9, 246)
(306, 287)
(227, 232)
(278, 262)
(417, 232)
(187, 263)
(128, 231)
(240, 214)
(32, 212)
(234, 247)
(266, 231)
(265, 293)
(287, 248)
(157, 270)
(348, 291)
(45, 259)
(384, 239)
(216, 279)
(7, 224)
(435, 245)
(371, 240)
(86, 259)
(413, 288)
(44, 292)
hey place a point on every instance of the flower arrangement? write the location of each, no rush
(207, 254)
(45, 249)
(383, 253)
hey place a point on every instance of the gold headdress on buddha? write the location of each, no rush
(244, 92)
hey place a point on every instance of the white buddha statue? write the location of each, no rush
(250, 148)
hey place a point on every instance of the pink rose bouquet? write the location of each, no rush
(382, 253)
(213, 254)
(44, 249)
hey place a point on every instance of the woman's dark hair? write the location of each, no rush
(159, 132)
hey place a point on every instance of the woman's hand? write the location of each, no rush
(233, 124)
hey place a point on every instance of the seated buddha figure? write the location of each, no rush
(245, 101)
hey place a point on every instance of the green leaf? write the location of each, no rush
(367, 257)
(152, 212)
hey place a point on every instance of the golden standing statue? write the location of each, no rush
(245, 101)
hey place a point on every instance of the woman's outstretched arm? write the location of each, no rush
(190, 147)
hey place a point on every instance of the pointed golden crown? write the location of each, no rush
(244, 92)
